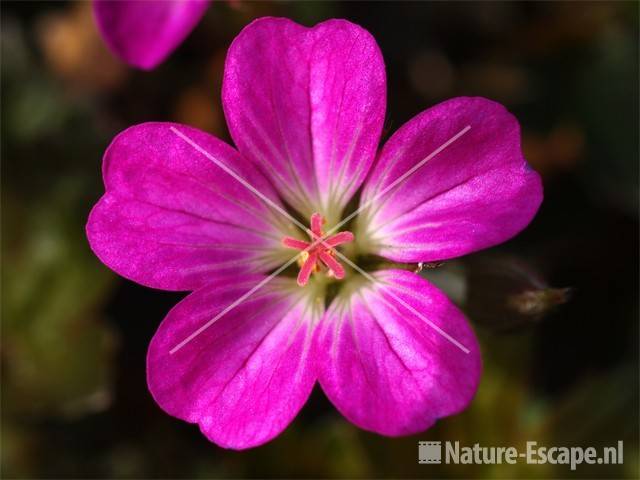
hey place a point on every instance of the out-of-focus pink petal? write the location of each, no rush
(245, 377)
(172, 219)
(387, 369)
(144, 33)
(477, 192)
(307, 105)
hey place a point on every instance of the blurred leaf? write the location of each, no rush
(611, 116)
(596, 413)
(31, 104)
(55, 347)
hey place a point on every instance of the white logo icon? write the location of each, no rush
(429, 452)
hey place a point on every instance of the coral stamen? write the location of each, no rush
(318, 251)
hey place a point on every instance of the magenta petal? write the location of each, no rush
(172, 219)
(144, 32)
(307, 105)
(246, 376)
(477, 192)
(387, 369)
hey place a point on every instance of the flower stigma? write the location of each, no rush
(318, 255)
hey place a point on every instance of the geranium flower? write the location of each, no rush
(143, 33)
(240, 355)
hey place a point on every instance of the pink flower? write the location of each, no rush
(143, 33)
(305, 108)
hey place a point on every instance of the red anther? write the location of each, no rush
(332, 263)
(339, 239)
(307, 269)
(317, 221)
(295, 243)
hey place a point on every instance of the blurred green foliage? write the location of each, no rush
(558, 370)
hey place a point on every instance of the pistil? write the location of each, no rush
(320, 251)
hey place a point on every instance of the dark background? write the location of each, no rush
(556, 309)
